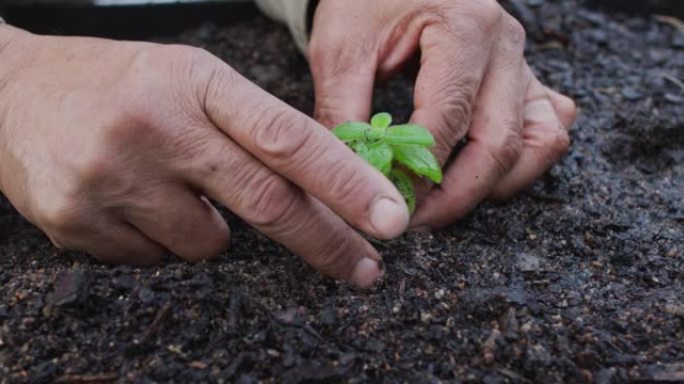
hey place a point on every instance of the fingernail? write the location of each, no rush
(366, 272)
(389, 218)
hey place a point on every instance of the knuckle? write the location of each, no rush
(505, 153)
(174, 56)
(185, 145)
(349, 189)
(447, 137)
(135, 114)
(337, 55)
(61, 216)
(167, 76)
(515, 35)
(91, 169)
(336, 255)
(453, 101)
(188, 52)
(445, 141)
(214, 81)
(487, 15)
(328, 110)
(490, 11)
(281, 136)
(477, 21)
(320, 54)
(125, 130)
(269, 203)
(456, 97)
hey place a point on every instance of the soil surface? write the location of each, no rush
(580, 279)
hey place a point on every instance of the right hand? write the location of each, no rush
(113, 148)
(473, 83)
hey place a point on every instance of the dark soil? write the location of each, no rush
(580, 279)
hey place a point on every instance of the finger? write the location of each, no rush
(447, 85)
(565, 107)
(181, 221)
(306, 153)
(545, 139)
(451, 72)
(343, 67)
(494, 140)
(283, 212)
(111, 241)
(343, 88)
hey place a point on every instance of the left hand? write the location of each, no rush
(473, 82)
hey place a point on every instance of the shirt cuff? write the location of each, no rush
(292, 13)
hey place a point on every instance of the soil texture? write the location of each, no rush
(580, 279)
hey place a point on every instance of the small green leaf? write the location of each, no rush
(405, 187)
(375, 134)
(381, 120)
(351, 131)
(409, 134)
(379, 155)
(420, 160)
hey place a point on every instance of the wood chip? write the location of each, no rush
(678, 24)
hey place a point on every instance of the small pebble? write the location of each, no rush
(674, 99)
(631, 94)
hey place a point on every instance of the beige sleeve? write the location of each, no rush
(291, 13)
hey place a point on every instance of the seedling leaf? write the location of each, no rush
(405, 187)
(419, 160)
(381, 120)
(387, 148)
(352, 131)
(379, 155)
(375, 134)
(409, 134)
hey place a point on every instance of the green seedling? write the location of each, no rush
(392, 148)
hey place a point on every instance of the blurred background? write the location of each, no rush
(123, 19)
(139, 19)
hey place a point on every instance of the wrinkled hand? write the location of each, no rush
(113, 148)
(473, 82)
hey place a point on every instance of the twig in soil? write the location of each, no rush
(671, 20)
(311, 331)
(402, 289)
(234, 307)
(513, 375)
(155, 323)
(674, 80)
(547, 197)
(97, 378)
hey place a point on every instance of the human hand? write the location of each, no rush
(113, 148)
(473, 82)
